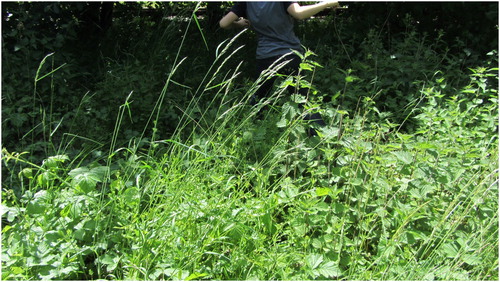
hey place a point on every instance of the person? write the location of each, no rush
(273, 23)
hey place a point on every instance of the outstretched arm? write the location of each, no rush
(304, 12)
(231, 20)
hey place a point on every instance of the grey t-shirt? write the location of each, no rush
(273, 25)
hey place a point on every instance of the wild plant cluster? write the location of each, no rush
(163, 171)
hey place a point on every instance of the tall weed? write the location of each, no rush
(229, 197)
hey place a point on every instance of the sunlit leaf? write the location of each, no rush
(329, 270)
(86, 179)
(314, 260)
(403, 156)
(322, 191)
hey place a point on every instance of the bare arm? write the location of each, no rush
(231, 20)
(304, 12)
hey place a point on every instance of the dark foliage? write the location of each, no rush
(104, 51)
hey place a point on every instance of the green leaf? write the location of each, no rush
(269, 224)
(86, 179)
(318, 243)
(356, 181)
(111, 262)
(350, 79)
(450, 249)
(425, 145)
(322, 191)
(17, 270)
(6, 228)
(43, 179)
(471, 259)
(54, 161)
(132, 196)
(26, 172)
(329, 270)
(79, 234)
(306, 66)
(195, 276)
(403, 156)
(281, 123)
(299, 99)
(199, 27)
(38, 205)
(328, 132)
(12, 213)
(339, 208)
(314, 260)
(52, 236)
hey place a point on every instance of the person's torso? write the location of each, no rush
(275, 28)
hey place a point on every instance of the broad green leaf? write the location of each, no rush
(425, 146)
(86, 179)
(16, 270)
(329, 270)
(281, 123)
(339, 208)
(403, 156)
(6, 228)
(26, 172)
(356, 181)
(471, 259)
(54, 161)
(132, 196)
(269, 224)
(79, 234)
(450, 249)
(318, 243)
(299, 99)
(12, 213)
(306, 66)
(195, 276)
(288, 82)
(52, 237)
(314, 260)
(43, 179)
(364, 146)
(110, 261)
(322, 191)
(328, 132)
(289, 190)
(38, 205)
(416, 193)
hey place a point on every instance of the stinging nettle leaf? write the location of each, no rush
(314, 260)
(281, 123)
(329, 270)
(403, 156)
(322, 191)
(306, 66)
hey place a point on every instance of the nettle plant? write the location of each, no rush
(385, 193)
(468, 116)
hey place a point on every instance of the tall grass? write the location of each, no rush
(229, 197)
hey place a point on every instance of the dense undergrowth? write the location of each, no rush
(182, 181)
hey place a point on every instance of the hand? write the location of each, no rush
(331, 4)
(242, 23)
(231, 20)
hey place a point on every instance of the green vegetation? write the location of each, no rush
(139, 158)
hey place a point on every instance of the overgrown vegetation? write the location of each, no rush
(139, 157)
